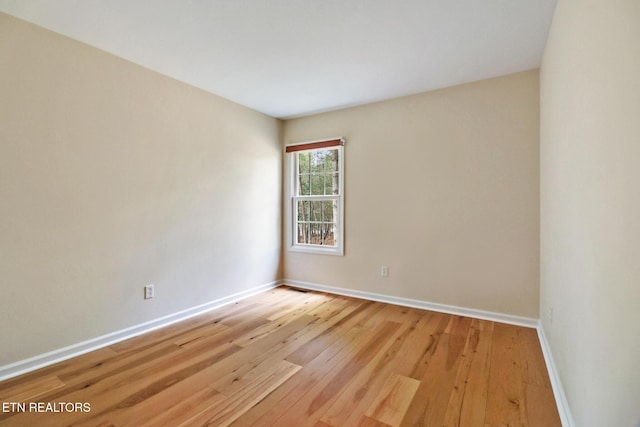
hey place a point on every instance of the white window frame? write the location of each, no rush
(294, 246)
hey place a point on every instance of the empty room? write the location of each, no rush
(320, 213)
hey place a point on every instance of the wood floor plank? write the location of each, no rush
(79, 363)
(435, 329)
(281, 337)
(290, 358)
(205, 332)
(467, 405)
(30, 390)
(134, 406)
(365, 421)
(394, 399)
(313, 404)
(350, 336)
(333, 303)
(304, 304)
(429, 404)
(253, 311)
(361, 391)
(223, 409)
(130, 387)
(534, 369)
(315, 374)
(541, 397)
(506, 399)
(125, 361)
(320, 371)
(312, 349)
(174, 330)
(271, 326)
(194, 403)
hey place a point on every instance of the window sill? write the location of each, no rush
(319, 250)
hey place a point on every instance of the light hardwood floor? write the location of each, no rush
(289, 358)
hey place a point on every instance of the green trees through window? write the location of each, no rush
(318, 176)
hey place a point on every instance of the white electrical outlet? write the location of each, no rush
(384, 271)
(550, 315)
(149, 292)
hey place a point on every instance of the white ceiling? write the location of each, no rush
(289, 58)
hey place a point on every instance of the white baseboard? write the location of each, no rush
(425, 305)
(31, 364)
(554, 377)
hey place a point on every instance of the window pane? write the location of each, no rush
(317, 161)
(303, 162)
(317, 173)
(328, 234)
(303, 233)
(329, 210)
(331, 184)
(316, 233)
(317, 185)
(316, 211)
(316, 222)
(304, 185)
(323, 161)
(332, 161)
(303, 211)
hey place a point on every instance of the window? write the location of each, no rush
(316, 191)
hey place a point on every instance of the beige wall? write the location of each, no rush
(113, 177)
(441, 187)
(590, 207)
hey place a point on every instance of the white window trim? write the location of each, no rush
(293, 246)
